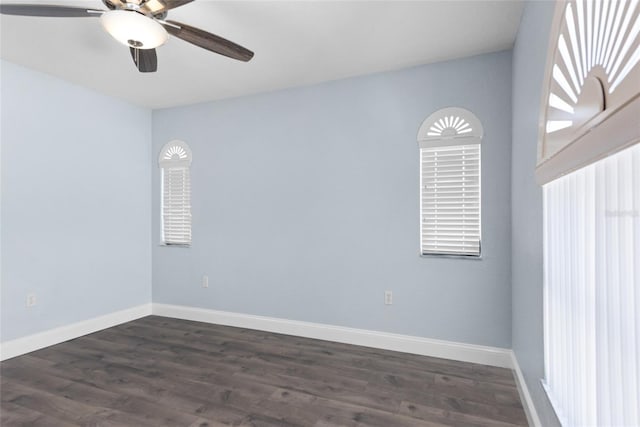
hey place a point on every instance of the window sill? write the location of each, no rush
(173, 245)
(453, 256)
(554, 403)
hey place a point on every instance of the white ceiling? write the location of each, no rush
(295, 43)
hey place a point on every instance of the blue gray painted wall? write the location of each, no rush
(305, 205)
(75, 203)
(529, 62)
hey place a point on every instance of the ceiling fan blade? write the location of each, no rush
(207, 41)
(146, 60)
(48, 11)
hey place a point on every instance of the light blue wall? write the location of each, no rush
(75, 203)
(529, 61)
(305, 205)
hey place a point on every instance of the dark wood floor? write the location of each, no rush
(157, 371)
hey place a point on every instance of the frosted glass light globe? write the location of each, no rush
(134, 29)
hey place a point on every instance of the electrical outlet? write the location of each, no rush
(31, 300)
(205, 281)
(388, 297)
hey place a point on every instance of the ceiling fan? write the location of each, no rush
(139, 24)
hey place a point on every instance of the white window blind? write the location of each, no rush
(592, 292)
(450, 184)
(451, 199)
(175, 161)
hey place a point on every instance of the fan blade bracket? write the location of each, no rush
(146, 60)
(112, 4)
(160, 7)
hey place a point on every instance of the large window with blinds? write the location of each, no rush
(592, 306)
(175, 164)
(589, 166)
(450, 184)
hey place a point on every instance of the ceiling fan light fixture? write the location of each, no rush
(134, 29)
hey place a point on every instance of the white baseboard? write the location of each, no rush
(493, 356)
(13, 348)
(525, 396)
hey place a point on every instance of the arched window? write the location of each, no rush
(589, 164)
(450, 190)
(592, 101)
(175, 163)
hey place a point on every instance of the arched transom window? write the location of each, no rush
(592, 83)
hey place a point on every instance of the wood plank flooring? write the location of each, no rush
(158, 371)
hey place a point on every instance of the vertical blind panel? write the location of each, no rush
(450, 199)
(592, 292)
(176, 205)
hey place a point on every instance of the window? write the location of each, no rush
(175, 162)
(450, 190)
(589, 166)
(592, 292)
(593, 79)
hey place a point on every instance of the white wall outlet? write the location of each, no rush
(205, 281)
(31, 300)
(388, 297)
